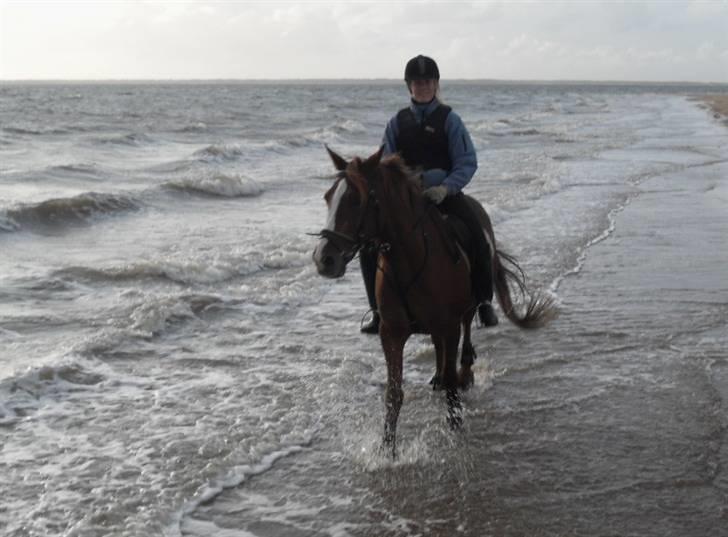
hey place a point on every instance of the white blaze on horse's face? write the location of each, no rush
(334, 205)
(327, 256)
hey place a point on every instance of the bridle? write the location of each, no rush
(350, 245)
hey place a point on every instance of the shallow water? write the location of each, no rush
(172, 363)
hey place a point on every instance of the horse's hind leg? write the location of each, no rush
(468, 356)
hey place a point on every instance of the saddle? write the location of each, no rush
(457, 236)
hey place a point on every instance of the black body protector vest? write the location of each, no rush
(424, 144)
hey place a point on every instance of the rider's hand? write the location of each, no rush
(435, 193)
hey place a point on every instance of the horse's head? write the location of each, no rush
(351, 222)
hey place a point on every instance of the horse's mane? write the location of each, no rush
(396, 178)
(397, 174)
(396, 165)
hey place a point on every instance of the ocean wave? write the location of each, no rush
(186, 272)
(194, 127)
(336, 132)
(222, 185)
(81, 168)
(219, 152)
(75, 210)
(22, 394)
(514, 132)
(234, 478)
(132, 139)
(154, 316)
(7, 224)
(503, 128)
(196, 269)
(34, 132)
(349, 126)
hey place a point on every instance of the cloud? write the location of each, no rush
(546, 40)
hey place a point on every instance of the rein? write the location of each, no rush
(404, 292)
(353, 244)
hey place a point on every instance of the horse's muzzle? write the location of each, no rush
(329, 261)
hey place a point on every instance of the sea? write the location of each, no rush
(172, 364)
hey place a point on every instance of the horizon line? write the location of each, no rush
(356, 80)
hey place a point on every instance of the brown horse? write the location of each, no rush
(423, 280)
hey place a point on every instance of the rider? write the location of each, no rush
(431, 137)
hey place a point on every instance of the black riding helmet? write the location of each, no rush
(421, 68)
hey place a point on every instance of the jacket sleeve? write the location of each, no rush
(462, 154)
(389, 140)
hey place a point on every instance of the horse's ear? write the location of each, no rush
(339, 163)
(372, 162)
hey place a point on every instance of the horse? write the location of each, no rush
(423, 282)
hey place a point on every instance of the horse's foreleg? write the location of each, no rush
(393, 345)
(450, 378)
(468, 356)
(436, 380)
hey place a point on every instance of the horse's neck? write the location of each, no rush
(403, 231)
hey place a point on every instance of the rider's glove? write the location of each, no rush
(435, 193)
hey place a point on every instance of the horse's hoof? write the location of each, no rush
(454, 410)
(388, 447)
(466, 379)
(436, 382)
(388, 450)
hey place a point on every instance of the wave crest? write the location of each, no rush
(219, 152)
(222, 185)
(186, 272)
(22, 394)
(153, 317)
(132, 139)
(75, 210)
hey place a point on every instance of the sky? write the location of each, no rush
(546, 40)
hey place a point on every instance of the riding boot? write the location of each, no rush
(486, 314)
(368, 263)
(482, 270)
(483, 281)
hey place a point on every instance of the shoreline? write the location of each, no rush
(718, 104)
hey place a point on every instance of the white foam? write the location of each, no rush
(8, 224)
(233, 478)
(220, 152)
(152, 316)
(583, 251)
(207, 528)
(54, 376)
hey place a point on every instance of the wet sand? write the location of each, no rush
(718, 104)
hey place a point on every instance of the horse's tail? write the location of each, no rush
(541, 308)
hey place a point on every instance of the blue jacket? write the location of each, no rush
(462, 152)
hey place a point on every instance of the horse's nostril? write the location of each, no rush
(328, 261)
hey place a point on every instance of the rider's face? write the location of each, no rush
(423, 91)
